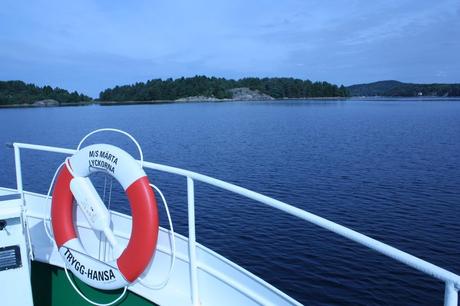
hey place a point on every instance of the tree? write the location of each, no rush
(170, 89)
(18, 92)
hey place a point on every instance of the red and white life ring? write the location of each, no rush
(145, 224)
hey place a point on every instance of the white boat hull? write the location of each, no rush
(221, 282)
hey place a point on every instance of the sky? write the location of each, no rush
(91, 45)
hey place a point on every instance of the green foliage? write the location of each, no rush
(399, 89)
(18, 92)
(170, 89)
(293, 88)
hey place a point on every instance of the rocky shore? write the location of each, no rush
(200, 99)
(238, 94)
(44, 103)
(246, 94)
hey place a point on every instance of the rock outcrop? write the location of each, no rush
(238, 94)
(198, 99)
(246, 94)
(47, 102)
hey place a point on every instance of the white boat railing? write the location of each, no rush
(451, 280)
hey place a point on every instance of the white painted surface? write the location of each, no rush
(221, 282)
(126, 170)
(15, 288)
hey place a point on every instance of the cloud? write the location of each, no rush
(90, 45)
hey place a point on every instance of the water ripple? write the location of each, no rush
(389, 170)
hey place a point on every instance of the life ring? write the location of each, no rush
(145, 224)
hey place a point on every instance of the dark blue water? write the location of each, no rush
(389, 169)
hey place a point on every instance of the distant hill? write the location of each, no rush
(400, 89)
(18, 92)
(220, 88)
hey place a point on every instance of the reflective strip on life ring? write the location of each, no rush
(144, 234)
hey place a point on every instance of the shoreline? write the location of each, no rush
(154, 102)
(31, 105)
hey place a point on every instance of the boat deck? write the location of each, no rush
(51, 288)
(222, 281)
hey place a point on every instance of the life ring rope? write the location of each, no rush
(138, 189)
(141, 280)
(65, 266)
(72, 182)
(139, 148)
(172, 242)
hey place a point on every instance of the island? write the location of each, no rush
(212, 89)
(393, 88)
(20, 94)
(203, 88)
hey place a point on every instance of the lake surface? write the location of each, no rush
(388, 169)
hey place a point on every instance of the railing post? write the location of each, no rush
(17, 161)
(20, 188)
(192, 241)
(450, 295)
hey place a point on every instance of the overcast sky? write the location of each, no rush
(89, 45)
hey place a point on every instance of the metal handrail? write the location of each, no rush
(452, 280)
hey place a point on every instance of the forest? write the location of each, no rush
(172, 89)
(18, 92)
(400, 89)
